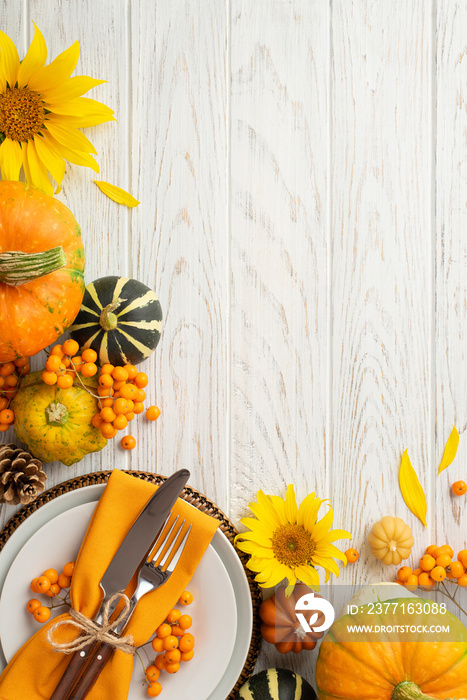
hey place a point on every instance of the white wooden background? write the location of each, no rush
(301, 166)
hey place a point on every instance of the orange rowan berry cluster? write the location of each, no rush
(173, 644)
(64, 363)
(436, 565)
(11, 374)
(50, 584)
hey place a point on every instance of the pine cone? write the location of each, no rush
(21, 475)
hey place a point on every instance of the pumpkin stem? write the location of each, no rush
(17, 268)
(108, 319)
(56, 413)
(409, 691)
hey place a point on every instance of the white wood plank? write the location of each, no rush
(279, 363)
(381, 273)
(179, 239)
(451, 261)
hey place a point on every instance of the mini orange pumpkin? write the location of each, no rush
(280, 625)
(41, 270)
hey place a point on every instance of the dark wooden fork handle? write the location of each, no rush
(75, 667)
(101, 655)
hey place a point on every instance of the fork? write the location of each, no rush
(78, 682)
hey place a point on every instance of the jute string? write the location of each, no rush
(94, 632)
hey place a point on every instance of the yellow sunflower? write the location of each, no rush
(41, 112)
(287, 541)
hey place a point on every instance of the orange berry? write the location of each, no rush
(417, 572)
(129, 416)
(187, 642)
(21, 362)
(140, 395)
(154, 689)
(2, 381)
(187, 655)
(66, 362)
(120, 374)
(427, 562)
(172, 668)
(3, 403)
(185, 622)
(108, 414)
(89, 369)
(462, 580)
(105, 392)
(404, 573)
(177, 631)
(131, 371)
(163, 630)
(65, 381)
(459, 488)
(11, 381)
(52, 575)
(103, 403)
(4, 427)
(57, 350)
(41, 614)
(70, 347)
(160, 662)
(7, 416)
(448, 549)
(456, 569)
(138, 407)
(105, 380)
(172, 656)
(152, 673)
(53, 363)
(53, 590)
(128, 391)
(186, 598)
(32, 605)
(412, 582)
(444, 560)
(121, 406)
(118, 385)
(108, 431)
(173, 616)
(120, 423)
(69, 568)
(141, 380)
(64, 581)
(424, 579)
(24, 370)
(7, 368)
(33, 585)
(42, 584)
(158, 644)
(462, 557)
(154, 412)
(107, 369)
(128, 442)
(97, 420)
(49, 378)
(77, 362)
(170, 642)
(438, 574)
(89, 356)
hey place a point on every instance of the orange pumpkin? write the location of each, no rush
(280, 625)
(404, 666)
(41, 270)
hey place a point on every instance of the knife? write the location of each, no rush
(128, 561)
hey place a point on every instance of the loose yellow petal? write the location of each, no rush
(411, 489)
(11, 159)
(117, 194)
(34, 59)
(56, 72)
(450, 450)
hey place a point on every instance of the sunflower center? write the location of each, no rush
(21, 113)
(292, 545)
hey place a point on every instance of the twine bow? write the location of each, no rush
(93, 631)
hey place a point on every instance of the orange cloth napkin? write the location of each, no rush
(36, 668)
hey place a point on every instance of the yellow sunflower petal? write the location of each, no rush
(279, 506)
(71, 88)
(69, 136)
(265, 511)
(308, 512)
(450, 450)
(254, 549)
(56, 72)
(76, 157)
(323, 526)
(327, 563)
(279, 573)
(117, 194)
(11, 159)
(334, 535)
(257, 537)
(37, 171)
(304, 505)
(411, 489)
(34, 59)
(308, 575)
(52, 161)
(9, 61)
(291, 509)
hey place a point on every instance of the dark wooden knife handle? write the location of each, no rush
(72, 672)
(101, 655)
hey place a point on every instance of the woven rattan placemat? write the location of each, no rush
(190, 495)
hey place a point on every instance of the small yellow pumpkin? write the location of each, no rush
(391, 540)
(55, 423)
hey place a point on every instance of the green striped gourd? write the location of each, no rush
(276, 684)
(120, 318)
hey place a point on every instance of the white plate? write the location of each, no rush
(220, 544)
